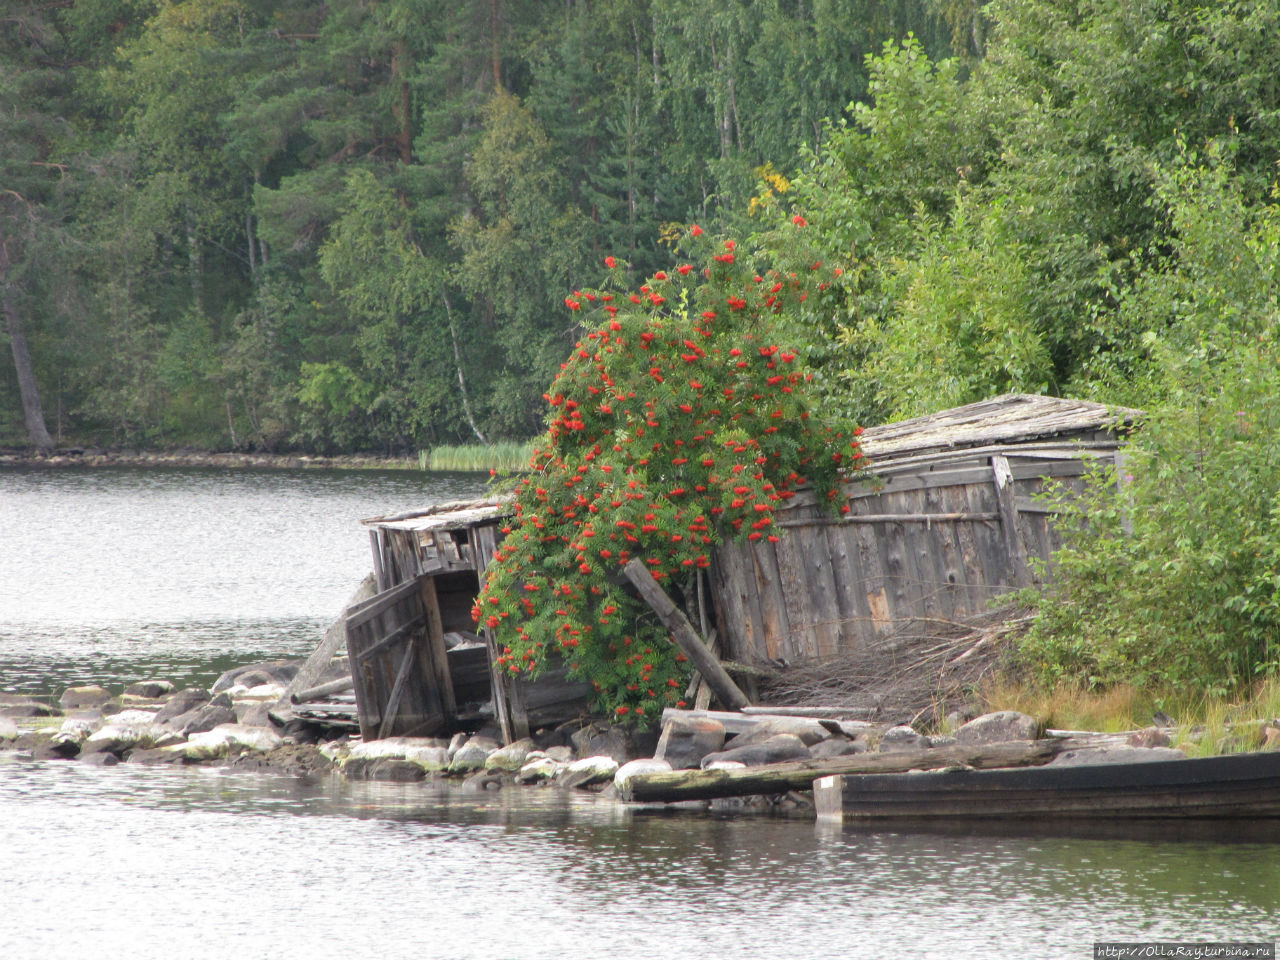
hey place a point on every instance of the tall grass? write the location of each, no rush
(504, 456)
(1207, 725)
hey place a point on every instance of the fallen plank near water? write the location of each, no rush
(799, 774)
(750, 718)
(683, 633)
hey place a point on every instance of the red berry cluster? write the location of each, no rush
(675, 422)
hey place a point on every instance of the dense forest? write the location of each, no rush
(352, 226)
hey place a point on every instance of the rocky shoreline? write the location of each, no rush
(188, 458)
(242, 722)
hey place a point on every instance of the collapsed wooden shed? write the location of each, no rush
(944, 521)
(418, 667)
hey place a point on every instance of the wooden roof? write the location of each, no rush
(1013, 418)
(453, 515)
(1006, 424)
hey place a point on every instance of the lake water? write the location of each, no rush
(115, 575)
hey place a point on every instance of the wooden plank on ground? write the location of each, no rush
(685, 636)
(772, 778)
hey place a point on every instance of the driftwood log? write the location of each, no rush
(685, 636)
(799, 774)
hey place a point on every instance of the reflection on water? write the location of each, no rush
(114, 575)
(123, 574)
(256, 866)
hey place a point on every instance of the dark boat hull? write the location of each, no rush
(1227, 787)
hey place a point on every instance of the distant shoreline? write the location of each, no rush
(99, 457)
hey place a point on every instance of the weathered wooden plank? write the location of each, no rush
(851, 601)
(685, 636)
(822, 604)
(306, 694)
(798, 643)
(378, 604)
(391, 714)
(680, 785)
(386, 641)
(776, 584)
(498, 681)
(923, 517)
(1015, 546)
(751, 717)
(486, 545)
(434, 648)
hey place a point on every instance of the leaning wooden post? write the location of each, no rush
(686, 637)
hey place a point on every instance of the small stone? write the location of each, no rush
(1000, 727)
(472, 755)
(725, 765)
(182, 702)
(457, 742)
(27, 707)
(8, 729)
(203, 718)
(483, 781)
(1270, 738)
(588, 771)
(686, 740)
(634, 768)
(509, 758)
(561, 754)
(902, 737)
(84, 697)
(602, 740)
(1148, 737)
(388, 769)
(837, 747)
(785, 746)
(809, 730)
(230, 737)
(542, 768)
(150, 689)
(253, 714)
(174, 753)
(427, 752)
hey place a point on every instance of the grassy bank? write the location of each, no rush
(505, 457)
(1206, 725)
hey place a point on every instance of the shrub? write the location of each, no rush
(676, 421)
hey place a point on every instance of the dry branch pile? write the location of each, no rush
(921, 670)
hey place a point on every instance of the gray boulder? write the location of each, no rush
(253, 713)
(1000, 727)
(902, 737)
(182, 702)
(634, 768)
(427, 752)
(471, 756)
(686, 740)
(272, 673)
(83, 698)
(511, 757)
(809, 730)
(150, 689)
(588, 771)
(11, 706)
(483, 781)
(837, 747)
(389, 769)
(203, 719)
(784, 746)
(560, 754)
(228, 738)
(539, 768)
(602, 740)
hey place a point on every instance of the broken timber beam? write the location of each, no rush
(685, 636)
(774, 778)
